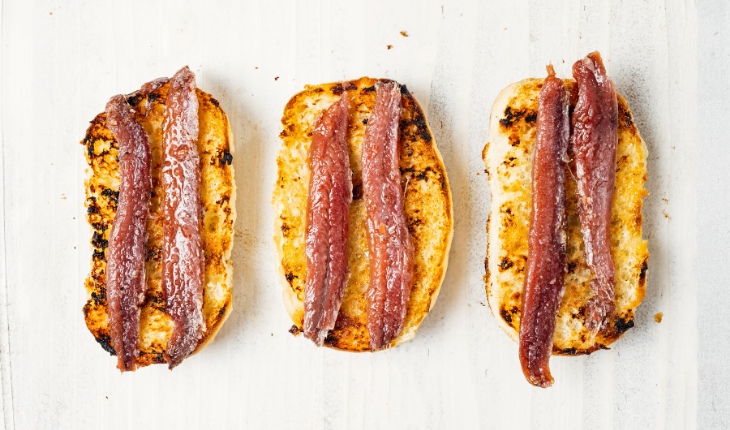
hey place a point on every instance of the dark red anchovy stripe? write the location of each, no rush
(390, 243)
(544, 284)
(126, 253)
(328, 214)
(594, 145)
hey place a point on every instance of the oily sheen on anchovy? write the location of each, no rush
(594, 145)
(126, 252)
(546, 262)
(390, 243)
(182, 252)
(328, 202)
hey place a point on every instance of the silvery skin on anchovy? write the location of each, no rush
(182, 250)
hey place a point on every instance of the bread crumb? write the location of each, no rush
(404, 34)
(276, 78)
(658, 317)
(390, 46)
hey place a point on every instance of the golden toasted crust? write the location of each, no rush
(218, 192)
(508, 160)
(427, 202)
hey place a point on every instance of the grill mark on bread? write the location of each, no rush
(514, 116)
(357, 193)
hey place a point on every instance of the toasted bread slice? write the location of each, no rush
(427, 204)
(218, 192)
(508, 161)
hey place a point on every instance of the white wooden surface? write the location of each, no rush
(62, 60)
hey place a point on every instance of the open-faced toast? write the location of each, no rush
(508, 160)
(427, 206)
(218, 192)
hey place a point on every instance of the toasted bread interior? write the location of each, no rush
(218, 192)
(508, 160)
(427, 204)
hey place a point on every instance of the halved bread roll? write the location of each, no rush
(427, 204)
(508, 160)
(218, 192)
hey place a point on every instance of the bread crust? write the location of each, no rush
(508, 160)
(427, 201)
(218, 193)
